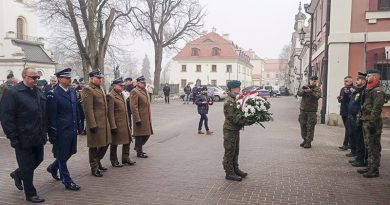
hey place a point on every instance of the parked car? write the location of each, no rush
(217, 93)
(263, 92)
(250, 88)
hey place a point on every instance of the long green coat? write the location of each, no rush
(118, 118)
(96, 114)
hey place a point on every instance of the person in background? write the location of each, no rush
(343, 99)
(129, 85)
(166, 91)
(203, 101)
(11, 81)
(23, 111)
(63, 125)
(53, 83)
(149, 88)
(187, 92)
(195, 93)
(79, 93)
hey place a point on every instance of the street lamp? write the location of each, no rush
(306, 43)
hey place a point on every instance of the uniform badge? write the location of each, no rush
(357, 97)
(85, 95)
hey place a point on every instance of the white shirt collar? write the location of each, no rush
(65, 89)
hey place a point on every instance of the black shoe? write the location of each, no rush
(358, 164)
(142, 155)
(128, 162)
(35, 199)
(102, 168)
(307, 145)
(240, 173)
(233, 177)
(17, 180)
(303, 143)
(72, 186)
(371, 173)
(362, 170)
(116, 164)
(54, 173)
(96, 173)
(343, 148)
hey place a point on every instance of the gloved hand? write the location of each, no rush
(114, 131)
(138, 123)
(93, 130)
(371, 128)
(15, 143)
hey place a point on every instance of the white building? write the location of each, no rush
(258, 68)
(211, 59)
(18, 46)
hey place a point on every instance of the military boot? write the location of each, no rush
(362, 170)
(307, 145)
(100, 166)
(233, 177)
(303, 143)
(371, 173)
(240, 173)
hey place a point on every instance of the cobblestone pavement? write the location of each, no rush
(185, 168)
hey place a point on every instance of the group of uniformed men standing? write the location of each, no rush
(28, 115)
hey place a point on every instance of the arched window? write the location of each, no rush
(216, 51)
(20, 28)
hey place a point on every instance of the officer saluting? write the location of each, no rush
(98, 129)
(372, 122)
(63, 124)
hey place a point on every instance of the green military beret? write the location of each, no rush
(372, 71)
(362, 75)
(314, 77)
(233, 84)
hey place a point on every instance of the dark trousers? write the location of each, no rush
(166, 98)
(231, 143)
(28, 160)
(64, 172)
(361, 151)
(95, 155)
(346, 137)
(140, 142)
(307, 121)
(351, 127)
(125, 153)
(205, 119)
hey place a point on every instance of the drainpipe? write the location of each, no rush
(325, 64)
(311, 44)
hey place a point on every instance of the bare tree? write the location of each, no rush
(166, 22)
(283, 58)
(92, 23)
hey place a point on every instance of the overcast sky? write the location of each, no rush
(262, 25)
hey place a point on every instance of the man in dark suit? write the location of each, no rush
(63, 125)
(23, 111)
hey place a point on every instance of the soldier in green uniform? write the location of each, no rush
(308, 114)
(372, 122)
(231, 134)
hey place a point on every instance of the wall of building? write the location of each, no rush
(359, 21)
(17, 68)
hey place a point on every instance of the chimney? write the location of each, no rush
(226, 36)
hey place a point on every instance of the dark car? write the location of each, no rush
(250, 88)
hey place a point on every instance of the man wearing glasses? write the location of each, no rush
(98, 128)
(23, 111)
(63, 124)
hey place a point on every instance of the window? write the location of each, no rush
(213, 68)
(183, 83)
(195, 52)
(384, 4)
(183, 68)
(20, 28)
(214, 82)
(276, 75)
(228, 68)
(216, 51)
(268, 75)
(198, 68)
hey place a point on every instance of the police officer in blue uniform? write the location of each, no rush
(63, 125)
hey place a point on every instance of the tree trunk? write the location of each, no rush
(158, 52)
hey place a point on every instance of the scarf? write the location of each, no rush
(372, 84)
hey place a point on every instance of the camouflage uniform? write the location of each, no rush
(231, 139)
(308, 114)
(372, 123)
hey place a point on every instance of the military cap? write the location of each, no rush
(361, 75)
(66, 73)
(96, 73)
(11, 75)
(314, 77)
(234, 84)
(141, 79)
(118, 81)
(373, 71)
(128, 79)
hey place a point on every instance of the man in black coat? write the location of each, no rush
(23, 111)
(166, 91)
(63, 125)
